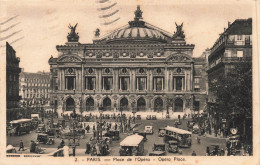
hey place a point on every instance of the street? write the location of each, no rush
(200, 149)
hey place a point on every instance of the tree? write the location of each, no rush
(233, 92)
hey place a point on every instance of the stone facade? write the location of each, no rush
(137, 68)
(12, 83)
(34, 89)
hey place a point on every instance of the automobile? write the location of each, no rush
(114, 135)
(52, 132)
(173, 146)
(148, 129)
(148, 117)
(154, 117)
(159, 149)
(196, 129)
(234, 144)
(190, 124)
(213, 150)
(10, 149)
(161, 132)
(45, 139)
(138, 117)
(41, 128)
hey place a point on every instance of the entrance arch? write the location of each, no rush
(70, 104)
(178, 105)
(90, 104)
(141, 104)
(158, 104)
(107, 104)
(124, 104)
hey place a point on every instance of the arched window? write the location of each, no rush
(107, 104)
(124, 104)
(141, 104)
(158, 104)
(178, 105)
(70, 104)
(90, 104)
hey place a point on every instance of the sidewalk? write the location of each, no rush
(213, 136)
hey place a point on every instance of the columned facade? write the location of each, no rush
(137, 68)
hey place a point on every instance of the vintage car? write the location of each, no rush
(41, 128)
(148, 117)
(233, 142)
(45, 139)
(154, 117)
(132, 146)
(213, 150)
(159, 149)
(114, 135)
(173, 146)
(54, 132)
(138, 117)
(178, 122)
(190, 124)
(148, 129)
(10, 149)
(196, 129)
(161, 132)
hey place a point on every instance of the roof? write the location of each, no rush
(20, 121)
(137, 31)
(240, 27)
(133, 140)
(177, 130)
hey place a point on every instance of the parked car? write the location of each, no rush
(154, 117)
(148, 117)
(196, 129)
(159, 149)
(173, 146)
(161, 132)
(148, 129)
(45, 139)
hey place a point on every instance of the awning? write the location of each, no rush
(20, 121)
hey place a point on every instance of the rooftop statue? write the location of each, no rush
(73, 36)
(179, 34)
(138, 13)
(97, 33)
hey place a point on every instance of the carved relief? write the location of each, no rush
(98, 54)
(178, 58)
(132, 55)
(70, 71)
(70, 59)
(115, 55)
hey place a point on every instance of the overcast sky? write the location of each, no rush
(41, 25)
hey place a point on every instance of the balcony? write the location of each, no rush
(236, 59)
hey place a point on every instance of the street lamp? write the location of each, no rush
(133, 110)
(73, 144)
(52, 105)
(100, 124)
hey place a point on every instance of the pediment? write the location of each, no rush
(69, 58)
(179, 58)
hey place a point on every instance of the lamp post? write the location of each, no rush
(73, 144)
(52, 105)
(121, 117)
(100, 124)
(133, 110)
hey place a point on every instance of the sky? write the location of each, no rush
(38, 26)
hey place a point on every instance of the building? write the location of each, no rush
(234, 46)
(138, 68)
(12, 84)
(34, 89)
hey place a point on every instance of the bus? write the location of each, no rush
(182, 136)
(21, 126)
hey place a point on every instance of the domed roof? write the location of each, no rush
(137, 31)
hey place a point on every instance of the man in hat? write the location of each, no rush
(21, 146)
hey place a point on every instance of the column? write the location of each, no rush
(148, 87)
(97, 81)
(74, 82)
(82, 77)
(100, 80)
(191, 78)
(151, 80)
(131, 80)
(170, 84)
(134, 82)
(66, 83)
(114, 80)
(182, 83)
(185, 80)
(120, 84)
(166, 79)
(60, 81)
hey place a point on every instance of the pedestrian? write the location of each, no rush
(94, 128)
(115, 126)
(21, 146)
(87, 148)
(193, 153)
(87, 128)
